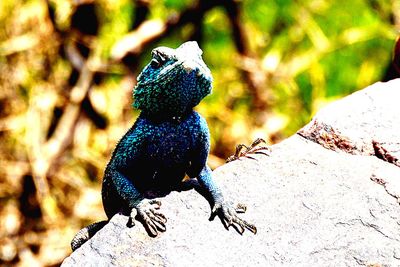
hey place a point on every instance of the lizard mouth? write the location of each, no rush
(174, 69)
(165, 74)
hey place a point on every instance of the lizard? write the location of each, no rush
(168, 142)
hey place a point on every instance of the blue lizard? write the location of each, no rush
(168, 141)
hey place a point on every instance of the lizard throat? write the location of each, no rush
(160, 118)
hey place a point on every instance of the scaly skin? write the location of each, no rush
(168, 141)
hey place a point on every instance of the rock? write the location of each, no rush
(327, 196)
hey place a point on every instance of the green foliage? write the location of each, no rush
(311, 52)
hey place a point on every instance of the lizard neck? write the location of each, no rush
(160, 118)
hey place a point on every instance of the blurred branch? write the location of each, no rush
(11, 123)
(135, 41)
(254, 79)
(61, 137)
(73, 56)
(393, 70)
(142, 9)
(12, 171)
(18, 44)
(150, 31)
(44, 154)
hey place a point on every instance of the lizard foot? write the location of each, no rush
(243, 150)
(147, 212)
(229, 217)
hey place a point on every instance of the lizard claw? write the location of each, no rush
(241, 208)
(254, 148)
(152, 219)
(229, 217)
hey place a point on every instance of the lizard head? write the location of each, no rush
(174, 81)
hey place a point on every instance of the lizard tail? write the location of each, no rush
(86, 233)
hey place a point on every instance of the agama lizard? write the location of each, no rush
(168, 141)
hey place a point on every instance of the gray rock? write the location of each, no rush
(328, 196)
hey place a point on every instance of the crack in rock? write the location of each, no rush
(376, 228)
(359, 261)
(328, 137)
(383, 183)
(383, 154)
(331, 138)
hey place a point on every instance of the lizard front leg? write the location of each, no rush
(142, 209)
(147, 212)
(229, 216)
(225, 210)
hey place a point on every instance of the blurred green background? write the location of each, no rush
(67, 69)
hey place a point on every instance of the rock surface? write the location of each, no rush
(327, 196)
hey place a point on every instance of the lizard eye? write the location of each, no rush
(155, 63)
(159, 58)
